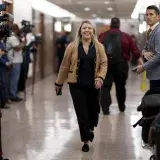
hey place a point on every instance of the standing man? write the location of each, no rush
(15, 56)
(151, 52)
(4, 64)
(118, 46)
(61, 43)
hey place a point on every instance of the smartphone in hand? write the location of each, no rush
(58, 91)
(134, 69)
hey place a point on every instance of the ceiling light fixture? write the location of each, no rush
(106, 2)
(94, 15)
(51, 9)
(110, 9)
(86, 9)
(79, 2)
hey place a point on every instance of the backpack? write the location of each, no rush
(113, 48)
(150, 108)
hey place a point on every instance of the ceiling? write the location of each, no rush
(98, 8)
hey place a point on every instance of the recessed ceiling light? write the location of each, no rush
(110, 9)
(79, 2)
(94, 15)
(106, 2)
(86, 9)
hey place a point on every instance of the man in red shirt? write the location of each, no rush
(118, 46)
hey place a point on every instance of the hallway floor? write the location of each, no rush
(45, 128)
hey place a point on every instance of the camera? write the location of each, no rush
(5, 28)
(26, 27)
(35, 39)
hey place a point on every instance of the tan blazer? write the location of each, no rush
(68, 69)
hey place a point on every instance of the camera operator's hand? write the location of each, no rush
(1, 52)
(9, 64)
(24, 41)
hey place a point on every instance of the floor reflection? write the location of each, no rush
(45, 128)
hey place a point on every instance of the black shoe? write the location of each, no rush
(91, 136)
(16, 99)
(5, 107)
(105, 111)
(85, 148)
(122, 108)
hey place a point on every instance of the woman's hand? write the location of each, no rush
(58, 89)
(98, 84)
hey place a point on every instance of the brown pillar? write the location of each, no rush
(54, 48)
(9, 6)
(42, 47)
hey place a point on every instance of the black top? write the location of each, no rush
(86, 65)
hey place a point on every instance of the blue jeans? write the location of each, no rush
(14, 75)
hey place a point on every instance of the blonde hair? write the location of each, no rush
(79, 36)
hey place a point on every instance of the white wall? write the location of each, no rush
(130, 28)
(22, 11)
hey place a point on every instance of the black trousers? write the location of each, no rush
(3, 88)
(117, 73)
(60, 58)
(87, 108)
(2, 100)
(23, 77)
(154, 84)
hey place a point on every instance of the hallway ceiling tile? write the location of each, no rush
(102, 8)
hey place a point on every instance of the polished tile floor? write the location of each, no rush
(45, 128)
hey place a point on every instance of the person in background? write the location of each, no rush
(151, 51)
(15, 47)
(62, 42)
(85, 65)
(27, 58)
(133, 59)
(4, 65)
(118, 46)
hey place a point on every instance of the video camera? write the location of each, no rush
(26, 27)
(5, 28)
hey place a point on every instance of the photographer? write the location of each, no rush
(15, 46)
(4, 65)
(27, 55)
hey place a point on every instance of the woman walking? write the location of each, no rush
(85, 66)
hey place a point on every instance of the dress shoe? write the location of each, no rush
(122, 108)
(85, 148)
(5, 107)
(16, 99)
(106, 111)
